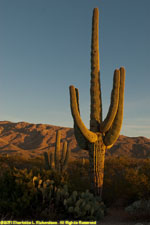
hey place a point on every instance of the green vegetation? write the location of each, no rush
(126, 179)
(36, 193)
(139, 209)
(102, 134)
(44, 195)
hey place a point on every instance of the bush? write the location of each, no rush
(44, 195)
(139, 209)
(126, 179)
(17, 194)
(78, 176)
(71, 205)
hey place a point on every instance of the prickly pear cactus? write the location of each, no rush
(84, 206)
(75, 205)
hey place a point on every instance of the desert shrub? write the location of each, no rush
(21, 198)
(45, 194)
(72, 205)
(139, 209)
(11, 161)
(17, 193)
(78, 176)
(40, 194)
(126, 179)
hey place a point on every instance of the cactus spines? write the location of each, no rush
(58, 161)
(102, 133)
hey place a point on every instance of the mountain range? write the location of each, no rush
(32, 140)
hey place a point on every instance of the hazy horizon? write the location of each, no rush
(45, 48)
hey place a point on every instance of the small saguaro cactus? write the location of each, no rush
(58, 161)
(102, 133)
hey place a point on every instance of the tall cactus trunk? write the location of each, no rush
(96, 102)
(102, 133)
(97, 157)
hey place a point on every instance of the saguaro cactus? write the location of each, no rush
(102, 133)
(58, 161)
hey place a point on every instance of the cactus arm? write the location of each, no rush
(113, 133)
(90, 136)
(77, 97)
(66, 157)
(57, 149)
(106, 124)
(96, 105)
(46, 160)
(51, 160)
(63, 152)
(82, 141)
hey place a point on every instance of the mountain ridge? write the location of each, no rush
(31, 140)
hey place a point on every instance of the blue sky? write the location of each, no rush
(45, 47)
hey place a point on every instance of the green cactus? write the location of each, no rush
(84, 205)
(102, 133)
(47, 163)
(56, 161)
